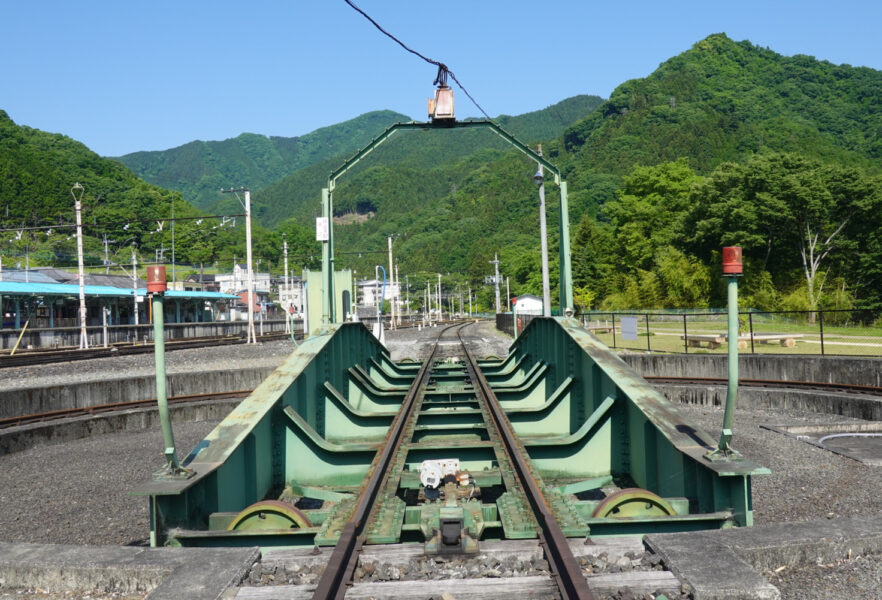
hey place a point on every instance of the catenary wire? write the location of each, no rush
(443, 70)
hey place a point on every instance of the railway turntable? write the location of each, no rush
(343, 447)
(607, 453)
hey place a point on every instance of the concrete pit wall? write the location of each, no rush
(69, 337)
(827, 369)
(26, 401)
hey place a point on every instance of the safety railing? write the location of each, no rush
(826, 332)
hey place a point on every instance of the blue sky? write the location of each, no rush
(124, 76)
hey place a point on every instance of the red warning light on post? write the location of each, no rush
(156, 280)
(732, 264)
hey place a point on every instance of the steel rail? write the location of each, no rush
(777, 383)
(116, 406)
(341, 564)
(564, 566)
(42, 357)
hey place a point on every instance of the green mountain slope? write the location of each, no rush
(724, 100)
(298, 194)
(719, 102)
(37, 171)
(198, 169)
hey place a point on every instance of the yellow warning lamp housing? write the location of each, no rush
(441, 106)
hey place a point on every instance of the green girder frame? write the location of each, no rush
(566, 280)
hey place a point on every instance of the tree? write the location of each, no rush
(649, 211)
(799, 217)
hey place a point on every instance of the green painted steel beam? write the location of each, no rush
(565, 274)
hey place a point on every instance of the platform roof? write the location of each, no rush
(19, 288)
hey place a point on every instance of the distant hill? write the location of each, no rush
(199, 169)
(723, 100)
(37, 171)
(298, 194)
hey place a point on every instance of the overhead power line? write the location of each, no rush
(443, 70)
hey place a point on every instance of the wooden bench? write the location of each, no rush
(602, 328)
(715, 340)
(788, 340)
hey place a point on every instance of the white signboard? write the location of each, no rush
(322, 229)
(629, 328)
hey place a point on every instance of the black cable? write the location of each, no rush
(443, 71)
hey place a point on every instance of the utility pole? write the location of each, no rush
(407, 295)
(392, 287)
(470, 301)
(173, 240)
(287, 288)
(507, 296)
(427, 305)
(135, 283)
(78, 204)
(495, 263)
(252, 335)
(398, 279)
(106, 255)
(539, 178)
(440, 306)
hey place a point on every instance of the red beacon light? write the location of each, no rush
(732, 264)
(156, 280)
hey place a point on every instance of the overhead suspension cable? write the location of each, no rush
(443, 71)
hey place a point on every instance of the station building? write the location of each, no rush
(49, 298)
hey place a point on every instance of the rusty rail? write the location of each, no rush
(342, 562)
(776, 383)
(566, 569)
(42, 357)
(105, 408)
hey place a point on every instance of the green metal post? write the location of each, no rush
(328, 261)
(566, 269)
(732, 390)
(161, 398)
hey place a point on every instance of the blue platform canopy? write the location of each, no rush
(18, 288)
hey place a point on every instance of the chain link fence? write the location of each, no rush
(824, 332)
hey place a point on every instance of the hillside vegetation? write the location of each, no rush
(199, 169)
(725, 144)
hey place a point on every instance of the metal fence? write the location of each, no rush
(833, 332)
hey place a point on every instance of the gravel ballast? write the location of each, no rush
(77, 492)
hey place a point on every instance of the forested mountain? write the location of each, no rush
(286, 173)
(725, 144)
(724, 100)
(37, 171)
(199, 169)
(733, 144)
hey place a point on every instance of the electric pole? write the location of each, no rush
(539, 178)
(287, 289)
(78, 204)
(135, 283)
(495, 263)
(252, 335)
(391, 288)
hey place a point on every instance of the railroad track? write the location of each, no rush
(386, 471)
(41, 357)
(771, 383)
(117, 406)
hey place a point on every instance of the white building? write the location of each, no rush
(370, 289)
(292, 296)
(527, 304)
(235, 282)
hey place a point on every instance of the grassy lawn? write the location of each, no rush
(667, 336)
